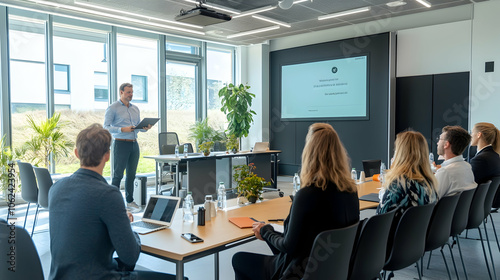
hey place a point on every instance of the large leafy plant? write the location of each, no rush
(236, 102)
(47, 140)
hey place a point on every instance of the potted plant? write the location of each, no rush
(46, 141)
(249, 184)
(232, 143)
(201, 132)
(205, 147)
(236, 102)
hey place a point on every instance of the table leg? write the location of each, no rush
(158, 178)
(216, 265)
(179, 271)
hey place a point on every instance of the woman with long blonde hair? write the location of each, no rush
(327, 200)
(410, 181)
(486, 163)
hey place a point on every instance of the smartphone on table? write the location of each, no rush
(191, 237)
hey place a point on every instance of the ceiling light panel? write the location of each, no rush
(255, 31)
(284, 24)
(345, 13)
(425, 3)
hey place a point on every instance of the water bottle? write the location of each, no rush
(208, 208)
(221, 196)
(185, 150)
(176, 150)
(188, 208)
(354, 174)
(382, 173)
(431, 161)
(296, 183)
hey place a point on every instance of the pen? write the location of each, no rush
(275, 220)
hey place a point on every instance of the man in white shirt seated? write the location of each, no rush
(455, 174)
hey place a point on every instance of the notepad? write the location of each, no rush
(370, 197)
(242, 222)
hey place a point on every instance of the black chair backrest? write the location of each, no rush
(26, 260)
(167, 149)
(439, 228)
(476, 211)
(409, 238)
(29, 188)
(371, 167)
(331, 261)
(490, 195)
(167, 138)
(44, 181)
(368, 257)
(461, 215)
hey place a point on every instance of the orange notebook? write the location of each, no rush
(242, 222)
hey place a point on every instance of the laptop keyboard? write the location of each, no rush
(146, 225)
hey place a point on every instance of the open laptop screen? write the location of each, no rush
(161, 209)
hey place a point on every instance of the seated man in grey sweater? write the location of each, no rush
(455, 174)
(88, 220)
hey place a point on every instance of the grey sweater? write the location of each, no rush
(88, 223)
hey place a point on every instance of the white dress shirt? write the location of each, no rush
(455, 175)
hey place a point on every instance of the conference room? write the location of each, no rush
(414, 66)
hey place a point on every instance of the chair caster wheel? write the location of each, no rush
(281, 194)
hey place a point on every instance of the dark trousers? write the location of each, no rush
(249, 266)
(125, 157)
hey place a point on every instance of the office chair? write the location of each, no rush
(29, 188)
(27, 261)
(371, 167)
(44, 181)
(334, 265)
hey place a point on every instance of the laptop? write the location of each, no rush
(159, 214)
(261, 146)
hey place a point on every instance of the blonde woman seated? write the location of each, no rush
(327, 200)
(486, 163)
(410, 181)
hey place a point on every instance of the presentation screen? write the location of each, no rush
(328, 89)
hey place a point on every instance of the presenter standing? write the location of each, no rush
(120, 119)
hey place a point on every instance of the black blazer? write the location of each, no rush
(485, 165)
(313, 211)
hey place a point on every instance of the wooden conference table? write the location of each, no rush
(219, 234)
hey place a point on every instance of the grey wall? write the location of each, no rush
(363, 139)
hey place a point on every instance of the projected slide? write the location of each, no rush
(325, 89)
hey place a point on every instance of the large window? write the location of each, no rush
(181, 96)
(219, 74)
(27, 74)
(138, 65)
(82, 54)
(77, 47)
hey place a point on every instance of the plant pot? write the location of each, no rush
(252, 199)
(206, 153)
(234, 151)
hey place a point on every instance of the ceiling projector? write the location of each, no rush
(202, 16)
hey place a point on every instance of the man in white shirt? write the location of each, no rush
(455, 174)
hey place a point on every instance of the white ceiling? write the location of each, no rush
(302, 17)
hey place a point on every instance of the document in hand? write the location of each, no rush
(242, 222)
(147, 121)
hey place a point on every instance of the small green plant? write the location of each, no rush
(205, 147)
(46, 140)
(232, 143)
(249, 184)
(201, 132)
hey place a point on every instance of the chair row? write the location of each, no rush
(35, 185)
(381, 244)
